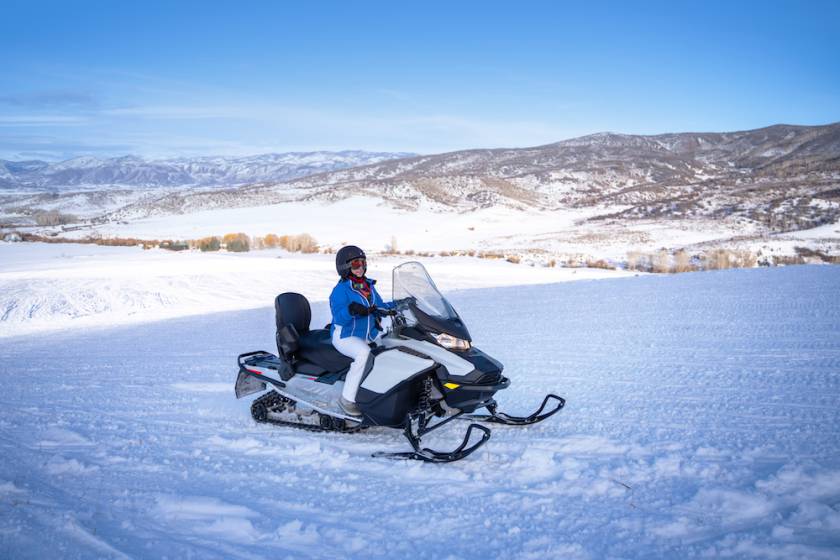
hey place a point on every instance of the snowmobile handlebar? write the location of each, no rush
(399, 305)
(382, 312)
(404, 303)
(397, 313)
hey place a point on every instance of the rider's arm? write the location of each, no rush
(339, 303)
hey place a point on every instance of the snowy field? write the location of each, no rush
(60, 286)
(433, 229)
(703, 420)
(535, 235)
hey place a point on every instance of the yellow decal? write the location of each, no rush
(451, 385)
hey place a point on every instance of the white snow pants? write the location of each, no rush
(356, 348)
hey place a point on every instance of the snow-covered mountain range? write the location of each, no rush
(781, 177)
(132, 171)
(603, 194)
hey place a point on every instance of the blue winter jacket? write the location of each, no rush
(363, 327)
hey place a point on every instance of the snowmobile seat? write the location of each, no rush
(292, 309)
(294, 339)
(316, 347)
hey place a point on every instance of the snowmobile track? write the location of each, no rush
(274, 402)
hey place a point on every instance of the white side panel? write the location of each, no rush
(453, 363)
(392, 367)
(321, 396)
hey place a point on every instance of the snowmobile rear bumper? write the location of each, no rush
(247, 384)
(253, 367)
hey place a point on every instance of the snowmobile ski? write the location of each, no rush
(430, 455)
(501, 418)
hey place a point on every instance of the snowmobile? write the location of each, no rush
(424, 367)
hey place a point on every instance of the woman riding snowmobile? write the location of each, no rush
(354, 302)
(422, 374)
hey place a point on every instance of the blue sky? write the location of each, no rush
(112, 78)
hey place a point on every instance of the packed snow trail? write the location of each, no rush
(703, 418)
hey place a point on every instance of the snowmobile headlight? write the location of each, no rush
(449, 341)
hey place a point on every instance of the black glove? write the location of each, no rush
(358, 309)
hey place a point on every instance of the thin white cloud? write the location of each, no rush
(408, 131)
(41, 120)
(159, 114)
(177, 112)
(57, 99)
(258, 126)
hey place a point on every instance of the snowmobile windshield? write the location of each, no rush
(412, 280)
(429, 310)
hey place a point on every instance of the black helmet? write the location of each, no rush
(343, 258)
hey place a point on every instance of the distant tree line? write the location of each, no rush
(232, 242)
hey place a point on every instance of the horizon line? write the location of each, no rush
(407, 153)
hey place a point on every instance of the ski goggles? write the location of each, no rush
(358, 263)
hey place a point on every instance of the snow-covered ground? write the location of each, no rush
(368, 221)
(59, 286)
(702, 420)
(376, 225)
